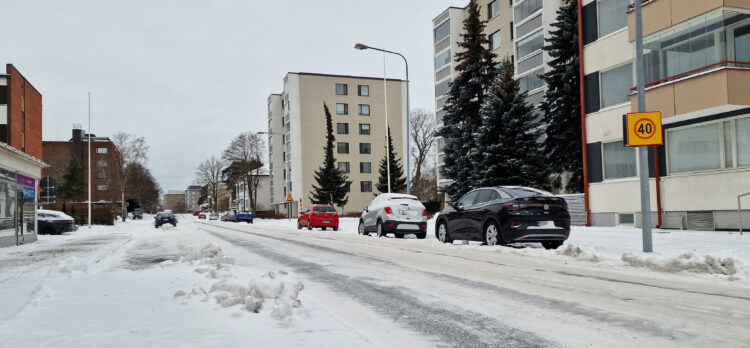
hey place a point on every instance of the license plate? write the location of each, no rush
(326, 222)
(408, 212)
(544, 223)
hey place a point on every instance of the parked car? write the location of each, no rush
(505, 214)
(213, 216)
(323, 216)
(202, 215)
(395, 213)
(54, 222)
(229, 216)
(246, 216)
(137, 213)
(196, 213)
(165, 217)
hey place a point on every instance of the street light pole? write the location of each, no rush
(640, 80)
(360, 46)
(89, 165)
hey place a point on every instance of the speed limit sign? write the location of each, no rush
(643, 129)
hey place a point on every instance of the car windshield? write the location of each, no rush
(525, 192)
(325, 209)
(166, 215)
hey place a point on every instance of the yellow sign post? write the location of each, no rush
(643, 129)
(289, 198)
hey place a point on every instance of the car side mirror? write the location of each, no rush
(365, 209)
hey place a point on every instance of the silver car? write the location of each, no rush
(395, 213)
(213, 216)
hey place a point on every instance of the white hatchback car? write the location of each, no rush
(395, 213)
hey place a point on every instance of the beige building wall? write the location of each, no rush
(305, 136)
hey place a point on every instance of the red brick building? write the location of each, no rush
(104, 178)
(22, 127)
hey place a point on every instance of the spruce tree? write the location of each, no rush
(73, 183)
(475, 73)
(507, 149)
(331, 185)
(398, 181)
(561, 105)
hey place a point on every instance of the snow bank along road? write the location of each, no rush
(197, 285)
(469, 297)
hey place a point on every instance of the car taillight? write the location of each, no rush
(68, 221)
(424, 212)
(388, 210)
(516, 206)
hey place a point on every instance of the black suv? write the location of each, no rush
(165, 217)
(506, 214)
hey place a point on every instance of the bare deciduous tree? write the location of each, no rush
(246, 152)
(422, 123)
(209, 174)
(130, 150)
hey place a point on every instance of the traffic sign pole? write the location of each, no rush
(640, 83)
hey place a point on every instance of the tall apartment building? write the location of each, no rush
(697, 62)
(192, 195)
(174, 200)
(297, 133)
(516, 30)
(104, 180)
(20, 157)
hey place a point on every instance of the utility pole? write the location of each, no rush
(640, 77)
(89, 165)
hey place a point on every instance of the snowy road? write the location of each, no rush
(133, 285)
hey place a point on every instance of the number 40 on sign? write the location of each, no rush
(642, 129)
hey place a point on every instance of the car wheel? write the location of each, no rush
(335, 228)
(309, 226)
(381, 233)
(251, 220)
(553, 244)
(422, 235)
(492, 234)
(361, 228)
(442, 233)
(299, 227)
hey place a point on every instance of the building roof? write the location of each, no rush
(175, 192)
(195, 187)
(23, 155)
(346, 76)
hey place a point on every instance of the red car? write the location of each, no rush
(322, 216)
(202, 215)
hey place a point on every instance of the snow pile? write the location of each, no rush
(277, 292)
(71, 265)
(690, 262)
(578, 252)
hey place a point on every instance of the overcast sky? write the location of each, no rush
(188, 75)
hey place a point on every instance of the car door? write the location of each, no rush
(457, 223)
(475, 213)
(303, 217)
(371, 215)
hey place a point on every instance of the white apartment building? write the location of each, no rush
(297, 133)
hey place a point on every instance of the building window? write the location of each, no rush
(364, 129)
(442, 88)
(530, 44)
(442, 59)
(364, 109)
(365, 186)
(102, 187)
(101, 175)
(341, 89)
(693, 149)
(743, 141)
(3, 95)
(527, 8)
(442, 31)
(495, 40)
(363, 90)
(618, 160)
(531, 81)
(493, 9)
(615, 85)
(613, 16)
(342, 128)
(439, 116)
(101, 163)
(364, 148)
(344, 167)
(626, 219)
(342, 148)
(342, 109)
(365, 167)
(101, 150)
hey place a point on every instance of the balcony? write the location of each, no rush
(662, 14)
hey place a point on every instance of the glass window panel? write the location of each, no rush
(728, 161)
(443, 59)
(7, 208)
(363, 90)
(342, 147)
(695, 148)
(364, 148)
(341, 89)
(743, 141)
(616, 84)
(495, 40)
(364, 128)
(618, 160)
(493, 9)
(342, 109)
(530, 44)
(442, 88)
(439, 116)
(364, 109)
(526, 8)
(365, 167)
(468, 199)
(531, 81)
(342, 128)
(344, 167)
(742, 42)
(365, 186)
(442, 31)
(613, 16)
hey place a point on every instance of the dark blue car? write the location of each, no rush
(245, 215)
(165, 217)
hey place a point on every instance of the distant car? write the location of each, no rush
(196, 213)
(395, 213)
(506, 214)
(229, 216)
(165, 217)
(323, 216)
(202, 215)
(213, 216)
(246, 216)
(137, 213)
(54, 222)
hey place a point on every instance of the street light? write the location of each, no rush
(360, 46)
